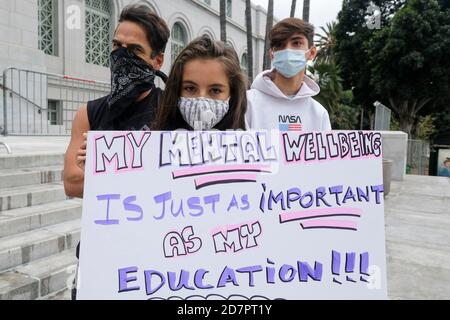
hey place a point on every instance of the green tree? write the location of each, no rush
(344, 117)
(337, 101)
(352, 35)
(326, 43)
(425, 128)
(445, 4)
(442, 125)
(327, 73)
(408, 61)
(330, 83)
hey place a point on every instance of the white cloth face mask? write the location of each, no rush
(203, 113)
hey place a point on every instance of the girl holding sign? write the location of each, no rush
(206, 90)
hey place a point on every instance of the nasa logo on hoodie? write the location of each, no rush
(290, 123)
(269, 108)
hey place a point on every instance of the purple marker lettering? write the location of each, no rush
(124, 279)
(182, 283)
(198, 279)
(148, 281)
(250, 270)
(306, 271)
(162, 198)
(320, 193)
(127, 203)
(213, 199)
(107, 197)
(287, 273)
(336, 190)
(378, 190)
(227, 275)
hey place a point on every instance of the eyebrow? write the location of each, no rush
(189, 82)
(302, 38)
(129, 45)
(212, 85)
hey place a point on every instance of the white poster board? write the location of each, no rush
(233, 215)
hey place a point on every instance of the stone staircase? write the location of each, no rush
(39, 228)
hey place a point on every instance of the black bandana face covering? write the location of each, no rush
(130, 77)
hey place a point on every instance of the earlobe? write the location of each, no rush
(159, 61)
(312, 53)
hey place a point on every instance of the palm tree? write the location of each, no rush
(306, 10)
(293, 8)
(330, 83)
(248, 22)
(326, 43)
(223, 21)
(269, 25)
(325, 69)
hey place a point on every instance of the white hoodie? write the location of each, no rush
(269, 108)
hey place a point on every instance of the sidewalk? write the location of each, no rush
(417, 213)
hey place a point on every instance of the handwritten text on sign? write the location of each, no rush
(229, 215)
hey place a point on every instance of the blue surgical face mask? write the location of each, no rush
(290, 62)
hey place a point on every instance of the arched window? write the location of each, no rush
(48, 26)
(179, 40)
(244, 62)
(229, 7)
(98, 32)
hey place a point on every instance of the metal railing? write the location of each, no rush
(6, 146)
(418, 157)
(382, 117)
(39, 103)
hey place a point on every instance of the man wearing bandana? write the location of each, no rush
(136, 59)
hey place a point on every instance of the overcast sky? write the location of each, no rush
(322, 11)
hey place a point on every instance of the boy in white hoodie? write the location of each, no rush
(281, 98)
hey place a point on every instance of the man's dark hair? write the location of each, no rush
(156, 28)
(286, 28)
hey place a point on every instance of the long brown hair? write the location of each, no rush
(168, 116)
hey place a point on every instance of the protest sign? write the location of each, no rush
(233, 215)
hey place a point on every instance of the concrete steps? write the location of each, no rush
(35, 217)
(27, 196)
(32, 160)
(40, 278)
(11, 178)
(65, 294)
(39, 228)
(26, 247)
